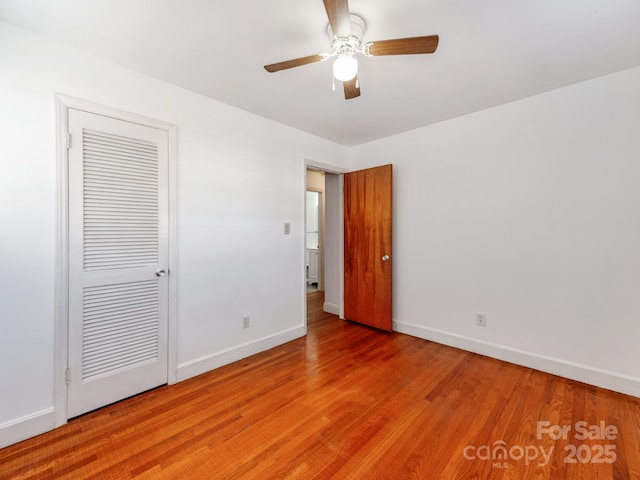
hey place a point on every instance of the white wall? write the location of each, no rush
(333, 251)
(240, 178)
(530, 213)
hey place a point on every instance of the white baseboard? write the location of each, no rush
(204, 364)
(574, 371)
(19, 429)
(331, 308)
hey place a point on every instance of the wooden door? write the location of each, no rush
(367, 247)
(118, 260)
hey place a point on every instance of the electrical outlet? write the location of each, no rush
(481, 319)
(246, 321)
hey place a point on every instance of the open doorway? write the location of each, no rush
(324, 243)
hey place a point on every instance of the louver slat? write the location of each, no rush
(120, 326)
(120, 213)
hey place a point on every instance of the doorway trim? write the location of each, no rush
(61, 316)
(331, 169)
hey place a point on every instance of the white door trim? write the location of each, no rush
(61, 321)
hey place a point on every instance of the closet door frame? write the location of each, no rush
(61, 318)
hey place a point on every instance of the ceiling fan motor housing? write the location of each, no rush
(350, 44)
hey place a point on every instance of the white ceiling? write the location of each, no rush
(491, 52)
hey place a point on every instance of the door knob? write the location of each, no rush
(386, 258)
(161, 273)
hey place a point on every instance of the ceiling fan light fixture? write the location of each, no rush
(345, 32)
(345, 67)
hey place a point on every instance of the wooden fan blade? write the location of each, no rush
(404, 46)
(297, 62)
(351, 88)
(338, 13)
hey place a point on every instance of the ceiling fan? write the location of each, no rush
(345, 31)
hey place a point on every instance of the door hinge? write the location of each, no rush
(68, 140)
(67, 376)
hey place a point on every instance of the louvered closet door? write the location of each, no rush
(118, 248)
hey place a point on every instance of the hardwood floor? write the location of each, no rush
(347, 402)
